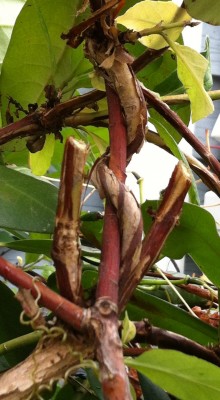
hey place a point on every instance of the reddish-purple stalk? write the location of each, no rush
(174, 119)
(110, 261)
(62, 308)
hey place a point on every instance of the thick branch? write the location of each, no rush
(104, 315)
(43, 121)
(47, 364)
(110, 260)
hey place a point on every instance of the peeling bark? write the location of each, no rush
(165, 219)
(46, 365)
(65, 251)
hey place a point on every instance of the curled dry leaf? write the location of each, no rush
(128, 211)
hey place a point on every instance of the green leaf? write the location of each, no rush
(42, 57)
(9, 11)
(95, 384)
(181, 375)
(191, 69)
(195, 234)
(173, 146)
(199, 9)
(150, 390)
(92, 231)
(183, 110)
(147, 14)
(208, 80)
(128, 330)
(10, 311)
(36, 246)
(41, 160)
(89, 279)
(27, 204)
(167, 316)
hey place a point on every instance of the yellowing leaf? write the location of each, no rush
(191, 69)
(40, 161)
(97, 81)
(147, 14)
(128, 330)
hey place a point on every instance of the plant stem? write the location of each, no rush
(62, 308)
(19, 342)
(110, 260)
(179, 125)
(65, 250)
(132, 36)
(182, 98)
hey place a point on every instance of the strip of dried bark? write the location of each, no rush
(51, 361)
(166, 218)
(65, 249)
(117, 71)
(128, 212)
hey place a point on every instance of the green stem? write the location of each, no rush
(160, 282)
(176, 291)
(21, 341)
(181, 98)
(133, 36)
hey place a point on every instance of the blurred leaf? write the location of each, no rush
(41, 160)
(150, 390)
(11, 328)
(191, 69)
(9, 11)
(182, 375)
(176, 151)
(184, 113)
(167, 316)
(3, 364)
(128, 330)
(199, 9)
(95, 384)
(89, 279)
(42, 57)
(166, 292)
(69, 392)
(208, 80)
(147, 14)
(32, 201)
(154, 74)
(30, 246)
(92, 232)
(195, 234)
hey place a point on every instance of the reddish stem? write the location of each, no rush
(110, 262)
(185, 132)
(62, 308)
